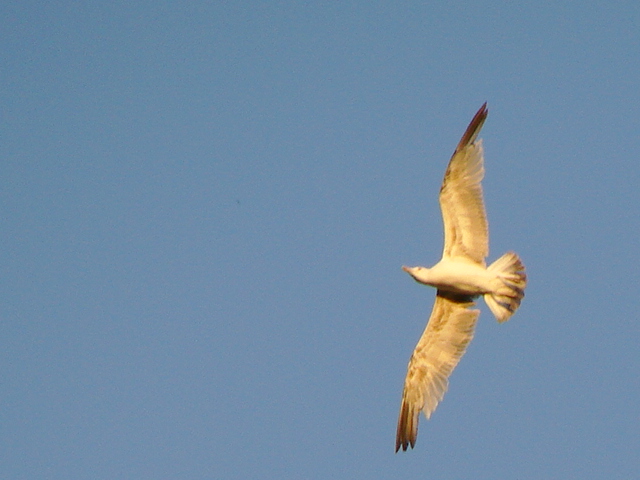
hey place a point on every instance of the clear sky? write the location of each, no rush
(205, 208)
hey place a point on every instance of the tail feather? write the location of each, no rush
(509, 291)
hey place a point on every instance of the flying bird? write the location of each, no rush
(459, 277)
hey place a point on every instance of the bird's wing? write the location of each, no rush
(466, 233)
(444, 341)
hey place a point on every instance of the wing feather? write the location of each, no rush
(466, 232)
(444, 341)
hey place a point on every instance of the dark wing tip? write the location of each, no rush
(474, 127)
(407, 428)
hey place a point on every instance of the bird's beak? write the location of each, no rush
(407, 269)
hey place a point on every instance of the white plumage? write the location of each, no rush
(460, 276)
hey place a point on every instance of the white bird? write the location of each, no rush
(460, 276)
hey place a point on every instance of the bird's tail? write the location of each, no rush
(511, 280)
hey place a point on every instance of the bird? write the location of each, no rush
(460, 277)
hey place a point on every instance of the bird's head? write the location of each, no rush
(418, 273)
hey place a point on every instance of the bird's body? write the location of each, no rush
(459, 277)
(450, 275)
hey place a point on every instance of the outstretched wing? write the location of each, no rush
(466, 233)
(444, 341)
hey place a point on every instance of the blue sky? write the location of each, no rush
(205, 208)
